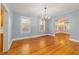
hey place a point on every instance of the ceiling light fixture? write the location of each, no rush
(45, 16)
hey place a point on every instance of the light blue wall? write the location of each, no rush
(74, 23)
(16, 33)
(5, 40)
(6, 29)
(50, 25)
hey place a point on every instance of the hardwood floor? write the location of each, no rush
(45, 45)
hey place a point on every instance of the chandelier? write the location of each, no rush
(45, 16)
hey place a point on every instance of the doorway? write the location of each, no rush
(2, 18)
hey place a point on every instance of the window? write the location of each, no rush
(25, 24)
(62, 25)
(42, 25)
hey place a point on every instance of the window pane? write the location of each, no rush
(42, 25)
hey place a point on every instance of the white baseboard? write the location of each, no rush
(39, 36)
(51, 34)
(31, 37)
(10, 44)
(74, 40)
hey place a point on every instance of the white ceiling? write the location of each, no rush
(35, 9)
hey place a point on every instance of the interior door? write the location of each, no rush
(1, 43)
(2, 13)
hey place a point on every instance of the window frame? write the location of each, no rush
(43, 23)
(29, 24)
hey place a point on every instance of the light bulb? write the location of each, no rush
(49, 17)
